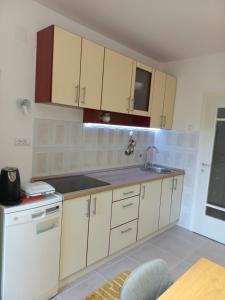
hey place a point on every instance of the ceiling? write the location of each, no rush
(165, 30)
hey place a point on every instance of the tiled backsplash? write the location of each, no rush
(61, 146)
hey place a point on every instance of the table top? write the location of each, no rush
(205, 280)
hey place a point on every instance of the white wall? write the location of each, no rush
(197, 77)
(19, 22)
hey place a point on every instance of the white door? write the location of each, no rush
(209, 225)
(166, 197)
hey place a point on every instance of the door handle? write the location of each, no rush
(95, 206)
(128, 193)
(161, 121)
(126, 230)
(175, 185)
(143, 193)
(88, 208)
(84, 95)
(128, 104)
(127, 205)
(77, 93)
(205, 165)
(164, 121)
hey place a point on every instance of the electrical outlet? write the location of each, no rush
(22, 141)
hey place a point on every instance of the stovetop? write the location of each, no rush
(74, 183)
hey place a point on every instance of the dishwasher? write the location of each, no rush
(30, 249)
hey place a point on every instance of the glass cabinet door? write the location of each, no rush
(142, 90)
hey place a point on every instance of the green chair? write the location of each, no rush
(147, 282)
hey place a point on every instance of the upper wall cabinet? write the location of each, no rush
(163, 98)
(69, 69)
(141, 90)
(91, 75)
(66, 67)
(117, 77)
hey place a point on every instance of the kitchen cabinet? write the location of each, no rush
(68, 69)
(116, 90)
(166, 197)
(170, 200)
(124, 211)
(90, 87)
(169, 101)
(149, 208)
(123, 236)
(141, 89)
(74, 235)
(176, 198)
(99, 226)
(163, 98)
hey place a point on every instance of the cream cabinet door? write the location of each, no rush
(169, 101)
(158, 95)
(74, 235)
(99, 226)
(166, 197)
(116, 82)
(149, 208)
(66, 67)
(91, 75)
(176, 198)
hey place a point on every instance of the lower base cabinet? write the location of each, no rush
(85, 232)
(123, 236)
(99, 226)
(170, 200)
(176, 198)
(74, 235)
(149, 208)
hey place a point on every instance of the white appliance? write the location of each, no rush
(30, 237)
(37, 188)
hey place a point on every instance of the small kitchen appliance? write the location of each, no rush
(10, 186)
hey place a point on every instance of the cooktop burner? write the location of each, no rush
(75, 183)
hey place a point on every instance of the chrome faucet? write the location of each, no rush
(150, 157)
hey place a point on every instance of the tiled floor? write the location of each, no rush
(180, 248)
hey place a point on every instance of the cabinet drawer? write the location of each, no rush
(126, 192)
(124, 211)
(123, 236)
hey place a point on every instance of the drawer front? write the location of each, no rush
(124, 211)
(125, 192)
(123, 236)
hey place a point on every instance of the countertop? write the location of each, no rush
(120, 178)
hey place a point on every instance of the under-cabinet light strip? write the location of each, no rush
(100, 125)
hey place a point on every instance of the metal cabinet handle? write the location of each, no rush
(143, 193)
(127, 205)
(164, 121)
(128, 193)
(175, 186)
(161, 121)
(132, 104)
(84, 95)
(77, 94)
(125, 231)
(88, 208)
(128, 104)
(95, 206)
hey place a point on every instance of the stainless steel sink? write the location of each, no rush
(157, 169)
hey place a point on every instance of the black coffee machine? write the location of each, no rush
(10, 186)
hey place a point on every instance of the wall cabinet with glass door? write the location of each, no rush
(68, 69)
(141, 90)
(163, 99)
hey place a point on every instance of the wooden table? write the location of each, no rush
(205, 280)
